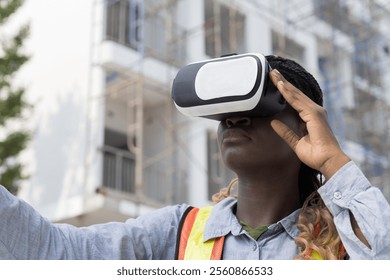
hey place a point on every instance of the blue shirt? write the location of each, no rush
(25, 234)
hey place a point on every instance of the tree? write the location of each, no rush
(12, 104)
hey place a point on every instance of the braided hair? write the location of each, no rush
(314, 215)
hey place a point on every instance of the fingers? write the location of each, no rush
(298, 100)
(289, 136)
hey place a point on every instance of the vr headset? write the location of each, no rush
(234, 85)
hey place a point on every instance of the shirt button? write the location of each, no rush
(337, 195)
(254, 248)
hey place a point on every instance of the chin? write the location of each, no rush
(243, 161)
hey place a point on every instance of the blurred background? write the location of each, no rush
(105, 140)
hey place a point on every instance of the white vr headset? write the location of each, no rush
(234, 85)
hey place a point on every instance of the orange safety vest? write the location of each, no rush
(190, 244)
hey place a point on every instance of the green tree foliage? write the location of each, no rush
(12, 102)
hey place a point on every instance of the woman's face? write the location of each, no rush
(251, 142)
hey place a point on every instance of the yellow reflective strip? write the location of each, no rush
(197, 249)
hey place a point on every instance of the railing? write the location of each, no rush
(118, 170)
(164, 40)
(162, 185)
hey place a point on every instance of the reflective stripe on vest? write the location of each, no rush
(191, 245)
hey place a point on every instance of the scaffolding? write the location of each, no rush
(353, 33)
(366, 122)
(149, 29)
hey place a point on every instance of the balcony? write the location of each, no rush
(118, 170)
(152, 34)
(162, 185)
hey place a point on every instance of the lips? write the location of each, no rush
(234, 135)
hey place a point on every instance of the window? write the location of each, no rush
(219, 175)
(366, 58)
(123, 23)
(118, 163)
(147, 26)
(224, 29)
(286, 47)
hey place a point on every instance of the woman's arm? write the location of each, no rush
(361, 213)
(25, 234)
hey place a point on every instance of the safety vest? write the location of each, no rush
(190, 245)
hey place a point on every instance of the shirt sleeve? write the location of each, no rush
(349, 191)
(25, 234)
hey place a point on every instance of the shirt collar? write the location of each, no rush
(289, 224)
(223, 221)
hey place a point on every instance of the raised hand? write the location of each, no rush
(319, 148)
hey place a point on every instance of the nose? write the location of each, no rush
(234, 121)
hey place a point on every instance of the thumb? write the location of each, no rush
(289, 136)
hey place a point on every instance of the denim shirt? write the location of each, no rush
(25, 234)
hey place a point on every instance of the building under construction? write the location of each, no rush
(142, 154)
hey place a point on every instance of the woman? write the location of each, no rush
(277, 161)
(274, 178)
